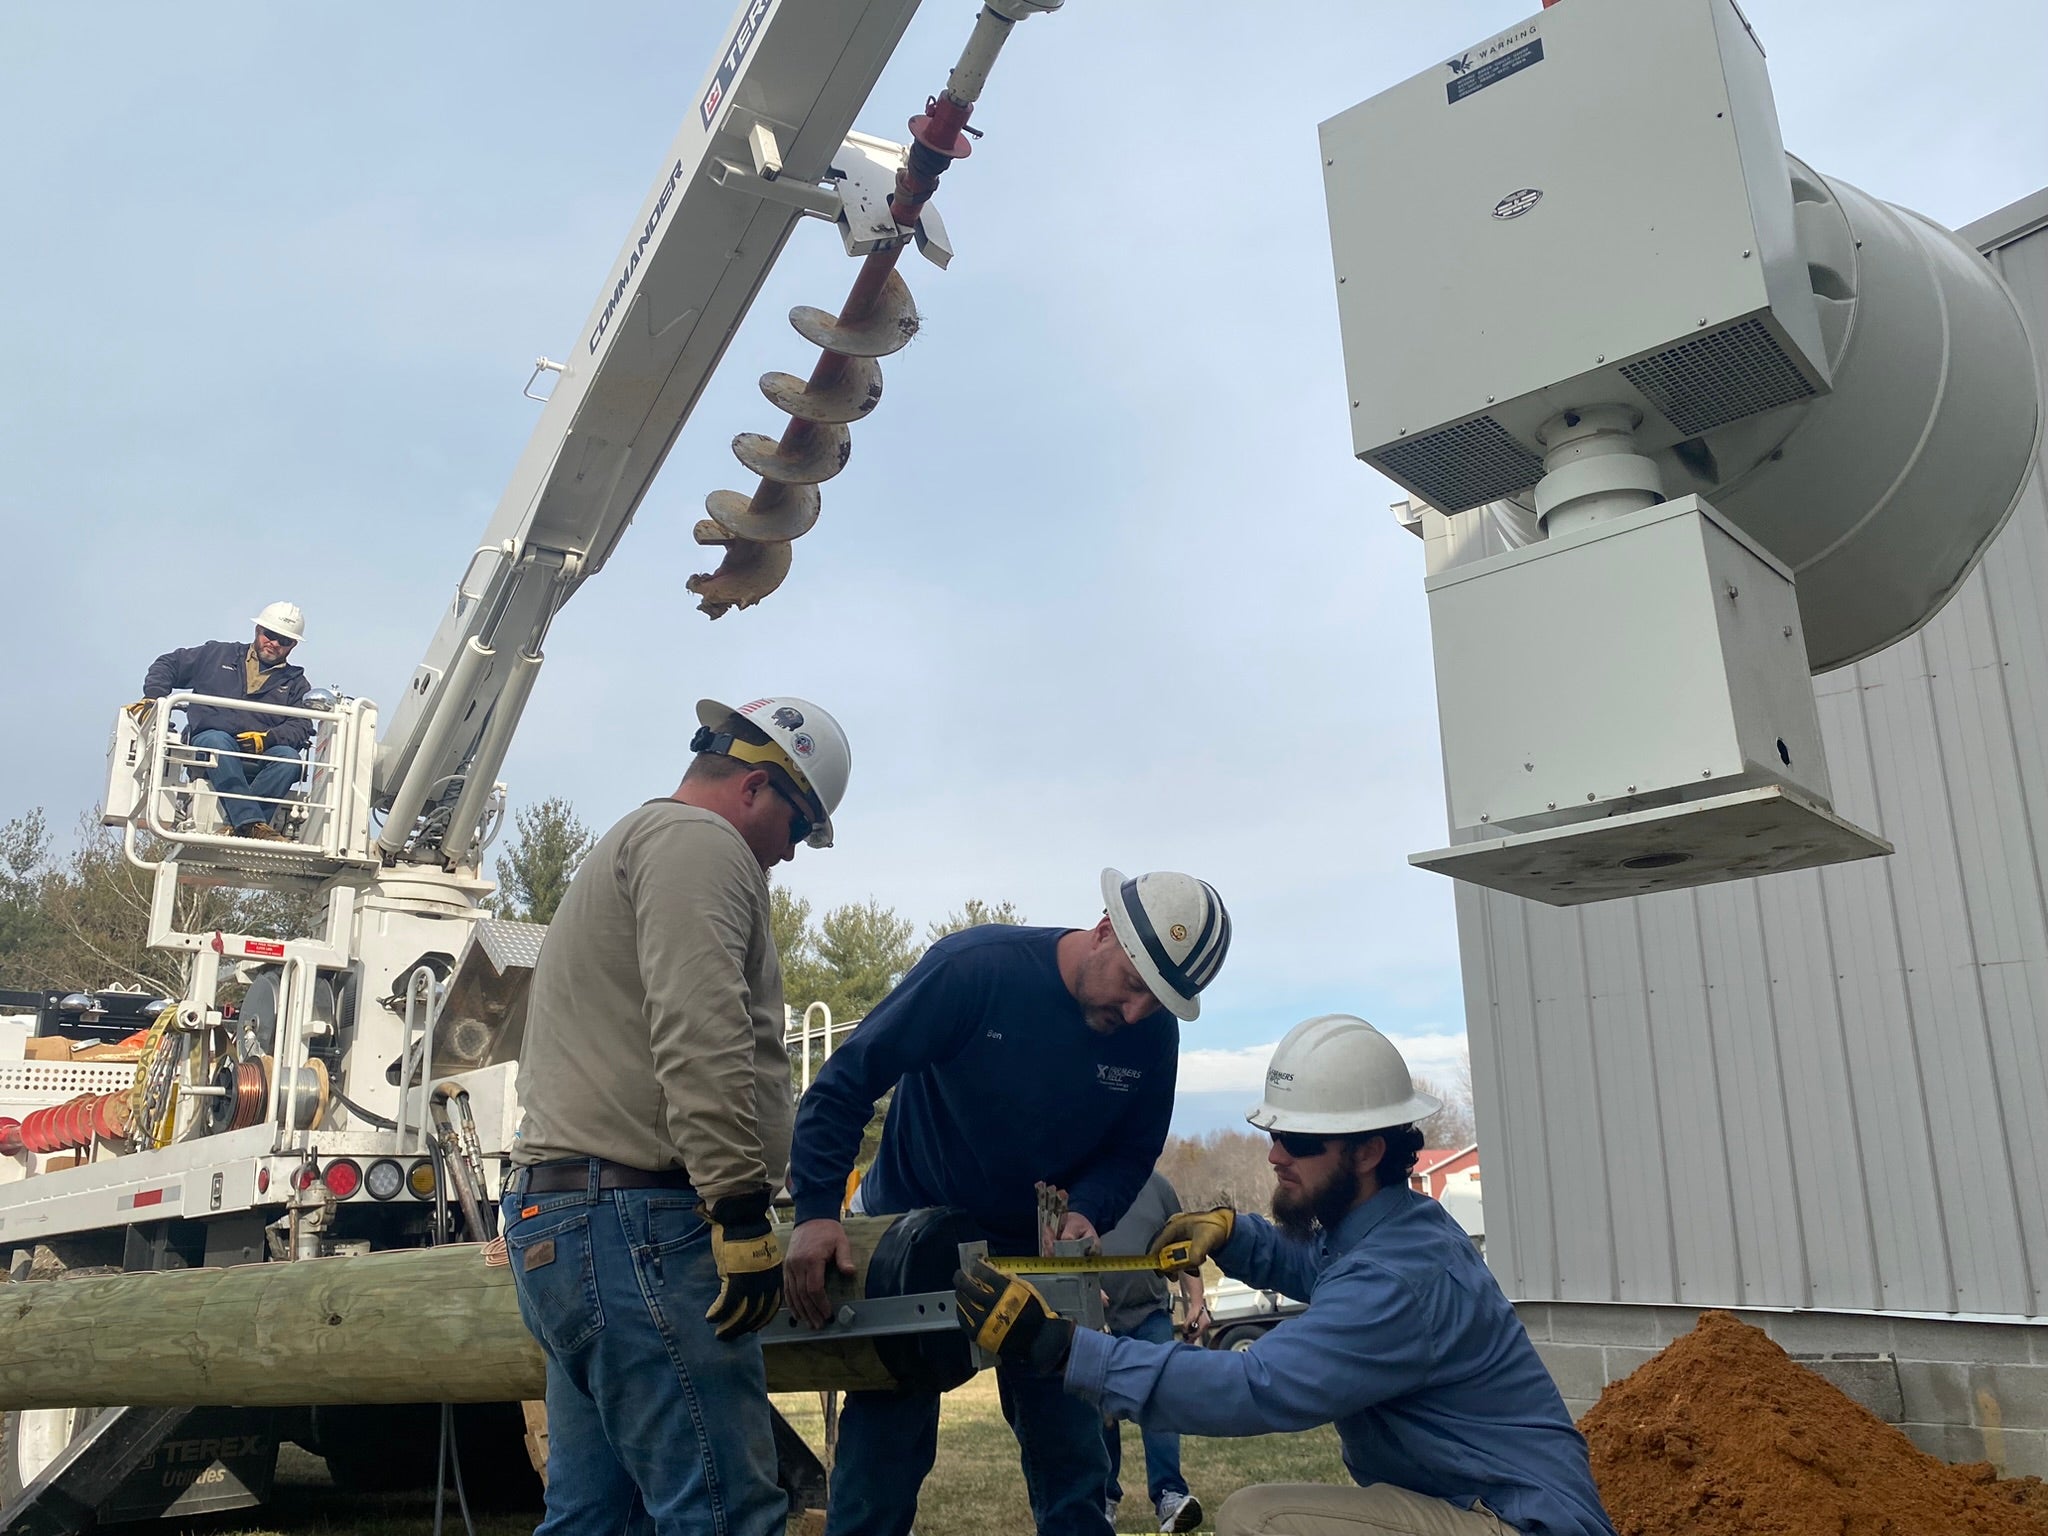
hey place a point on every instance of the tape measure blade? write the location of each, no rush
(1091, 1263)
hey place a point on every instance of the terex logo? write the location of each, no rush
(209, 1449)
(735, 55)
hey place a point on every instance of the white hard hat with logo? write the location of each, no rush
(1175, 930)
(283, 620)
(798, 738)
(1336, 1074)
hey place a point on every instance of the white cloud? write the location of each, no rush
(1215, 1071)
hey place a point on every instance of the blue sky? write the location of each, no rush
(1102, 583)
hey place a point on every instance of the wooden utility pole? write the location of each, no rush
(418, 1325)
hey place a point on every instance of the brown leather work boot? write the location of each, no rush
(263, 832)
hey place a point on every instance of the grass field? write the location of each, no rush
(976, 1488)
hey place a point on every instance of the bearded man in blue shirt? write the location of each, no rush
(1018, 1056)
(1450, 1425)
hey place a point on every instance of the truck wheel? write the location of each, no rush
(1240, 1338)
(32, 1438)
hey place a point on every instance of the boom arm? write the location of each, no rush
(689, 270)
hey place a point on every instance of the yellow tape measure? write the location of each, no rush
(1173, 1255)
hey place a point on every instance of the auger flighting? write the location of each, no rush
(878, 318)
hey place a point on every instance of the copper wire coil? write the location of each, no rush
(249, 1093)
(241, 1101)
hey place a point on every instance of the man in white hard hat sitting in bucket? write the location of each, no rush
(256, 755)
(1449, 1422)
(1017, 1055)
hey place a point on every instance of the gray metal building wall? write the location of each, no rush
(1819, 1090)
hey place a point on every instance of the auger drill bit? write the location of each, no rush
(877, 319)
(756, 531)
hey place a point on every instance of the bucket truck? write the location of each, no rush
(361, 1095)
(1685, 422)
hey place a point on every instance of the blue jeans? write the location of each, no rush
(888, 1441)
(1162, 1446)
(231, 777)
(654, 1424)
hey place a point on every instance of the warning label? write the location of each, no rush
(1478, 74)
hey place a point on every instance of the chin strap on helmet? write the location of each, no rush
(761, 754)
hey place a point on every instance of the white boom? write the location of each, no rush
(404, 991)
(784, 88)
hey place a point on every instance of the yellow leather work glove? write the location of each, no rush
(749, 1264)
(1202, 1231)
(1007, 1316)
(253, 740)
(140, 708)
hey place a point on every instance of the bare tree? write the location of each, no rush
(97, 907)
(25, 929)
(81, 922)
(1222, 1167)
(1453, 1125)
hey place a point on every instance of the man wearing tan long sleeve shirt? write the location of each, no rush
(657, 1123)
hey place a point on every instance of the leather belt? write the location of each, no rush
(573, 1177)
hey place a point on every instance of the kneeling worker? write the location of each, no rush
(658, 1110)
(1449, 1422)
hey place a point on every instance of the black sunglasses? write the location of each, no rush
(800, 825)
(1294, 1144)
(274, 638)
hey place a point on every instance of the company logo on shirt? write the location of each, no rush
(1116, 1079)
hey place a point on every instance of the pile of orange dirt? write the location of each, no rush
(1723, 1434)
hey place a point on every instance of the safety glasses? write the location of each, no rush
(274, 638)
(1294, 1144)
(800, 824)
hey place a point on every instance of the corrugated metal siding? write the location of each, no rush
(1825, 1089)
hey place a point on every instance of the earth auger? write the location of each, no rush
(878, 319)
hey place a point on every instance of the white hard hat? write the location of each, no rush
(1175, 930)
(1336, 1074)
(802, 740)
(283, 619)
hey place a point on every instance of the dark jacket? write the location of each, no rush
(999, 1083)
(216, 668)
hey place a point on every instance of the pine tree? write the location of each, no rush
(548, 843)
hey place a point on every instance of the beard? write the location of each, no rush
(1298, 1212)
(1102, 1019)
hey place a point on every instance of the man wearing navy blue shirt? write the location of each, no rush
(1450, 1425)
(1018, 1056)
